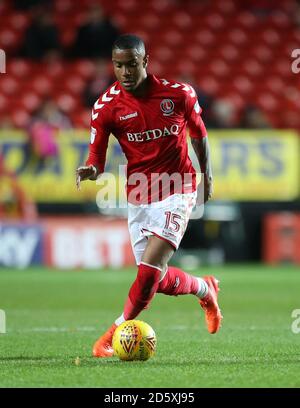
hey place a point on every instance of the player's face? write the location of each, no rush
(129, 68)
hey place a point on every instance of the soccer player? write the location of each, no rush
(149, 117)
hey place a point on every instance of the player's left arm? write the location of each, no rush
(201, 148)
(199, 140)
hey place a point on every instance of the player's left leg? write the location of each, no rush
(155, 276)
(153, 273)
(177, 282)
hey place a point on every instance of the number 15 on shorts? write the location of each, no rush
(172, 221)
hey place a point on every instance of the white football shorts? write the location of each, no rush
(166, 219)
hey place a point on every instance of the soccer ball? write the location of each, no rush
(134, 340)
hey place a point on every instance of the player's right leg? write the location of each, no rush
(150, 271)
(140, 295)
(103, 346)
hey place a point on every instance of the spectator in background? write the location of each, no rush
(41, 38)
(28, 4)
(95, 36)
(253, 118)
(98, 84)
(296, 14)
(223, 114)
(6, 123)
(205, 100)
(43, 128)
(260, 8)
(14, 203)
(50, 113)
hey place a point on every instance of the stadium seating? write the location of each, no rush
(231, 51)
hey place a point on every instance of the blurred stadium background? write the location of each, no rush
(238, 57)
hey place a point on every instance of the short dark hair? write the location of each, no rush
(129, 41)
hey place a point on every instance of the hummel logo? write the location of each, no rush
(131, 115)
(177, 283)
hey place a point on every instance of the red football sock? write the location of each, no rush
(177, 282)
(142, 291)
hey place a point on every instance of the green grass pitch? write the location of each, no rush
(53, 318)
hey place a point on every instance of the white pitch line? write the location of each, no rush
(53, 329)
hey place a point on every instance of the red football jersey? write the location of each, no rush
(152, 133)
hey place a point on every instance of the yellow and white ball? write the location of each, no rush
(134, 340)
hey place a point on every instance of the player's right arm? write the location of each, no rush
(100, 131)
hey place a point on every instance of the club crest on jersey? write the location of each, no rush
(167, 106)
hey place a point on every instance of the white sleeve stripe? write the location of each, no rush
(113, 90)
(192, 92)
(95, 115)
(98, 105)
(185, 87)
(105, 98)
